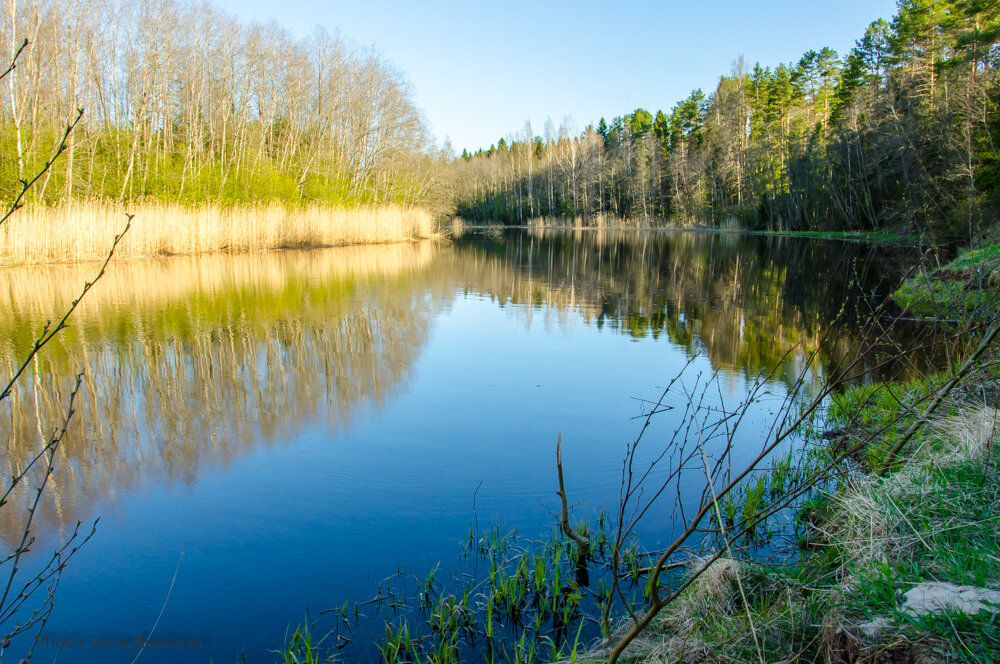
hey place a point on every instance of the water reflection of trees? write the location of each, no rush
(744, 301)
(190, 362)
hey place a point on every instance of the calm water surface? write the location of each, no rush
(282, 431)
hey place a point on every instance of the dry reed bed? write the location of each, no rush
(82, 231)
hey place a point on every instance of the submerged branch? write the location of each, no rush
(582, 541)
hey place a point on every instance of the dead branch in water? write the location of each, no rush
(582, 541)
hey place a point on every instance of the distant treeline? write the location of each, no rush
(183, 103)
(903, 131)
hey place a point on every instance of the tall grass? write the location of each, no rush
(83, 230)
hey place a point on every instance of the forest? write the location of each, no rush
(770, 441)
(900, 133)
(180, 102)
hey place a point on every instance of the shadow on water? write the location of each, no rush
(744, 301)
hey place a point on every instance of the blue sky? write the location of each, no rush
(480, 69)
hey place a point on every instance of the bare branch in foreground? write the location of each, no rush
(49, 332)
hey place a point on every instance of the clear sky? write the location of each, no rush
(481, 68)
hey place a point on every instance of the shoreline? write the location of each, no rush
(900, 560)
(845, 236)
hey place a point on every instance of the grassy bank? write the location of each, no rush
(896, 568)
(965, 287)
(899, 555)
(81, 231)
(884, 237)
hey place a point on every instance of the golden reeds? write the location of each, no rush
(81, 231)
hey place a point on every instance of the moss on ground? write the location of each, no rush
(966, 287)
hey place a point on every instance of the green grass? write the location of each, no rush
(882, 237)
(508, 599)
(780, 620)
(300, 649)
(935, 521)
(868, 540)
(965, 287)
(877, 413)
(984, 262)
(934, 297)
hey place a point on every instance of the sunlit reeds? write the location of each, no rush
(82, 231)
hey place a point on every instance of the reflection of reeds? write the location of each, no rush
(37, 293)
(597, 221)
(191, 362)
(84, 230)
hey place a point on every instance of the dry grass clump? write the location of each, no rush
(874, 518)
(710, 621)
(80, 231)
(933, 521)
(971, 434)
(866, 524)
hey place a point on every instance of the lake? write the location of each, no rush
(265, 435)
